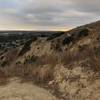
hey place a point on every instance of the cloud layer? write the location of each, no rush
(47, 14)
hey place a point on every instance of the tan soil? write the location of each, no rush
(15, 90)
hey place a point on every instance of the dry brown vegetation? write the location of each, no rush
(40, 71)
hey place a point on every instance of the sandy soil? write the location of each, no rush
(15, 90)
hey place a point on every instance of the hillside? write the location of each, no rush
(66, 64)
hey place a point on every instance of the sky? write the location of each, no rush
(47, 14)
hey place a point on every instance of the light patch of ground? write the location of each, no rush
(15, 90)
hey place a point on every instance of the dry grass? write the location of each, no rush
(37, 74)
(42, 69)
(3, 78)
(51, 59)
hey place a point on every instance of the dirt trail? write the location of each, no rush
(15, 90)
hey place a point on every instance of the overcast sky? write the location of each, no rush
(47, 14)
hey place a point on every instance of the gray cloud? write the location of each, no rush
(47, 14)
(92, 6)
